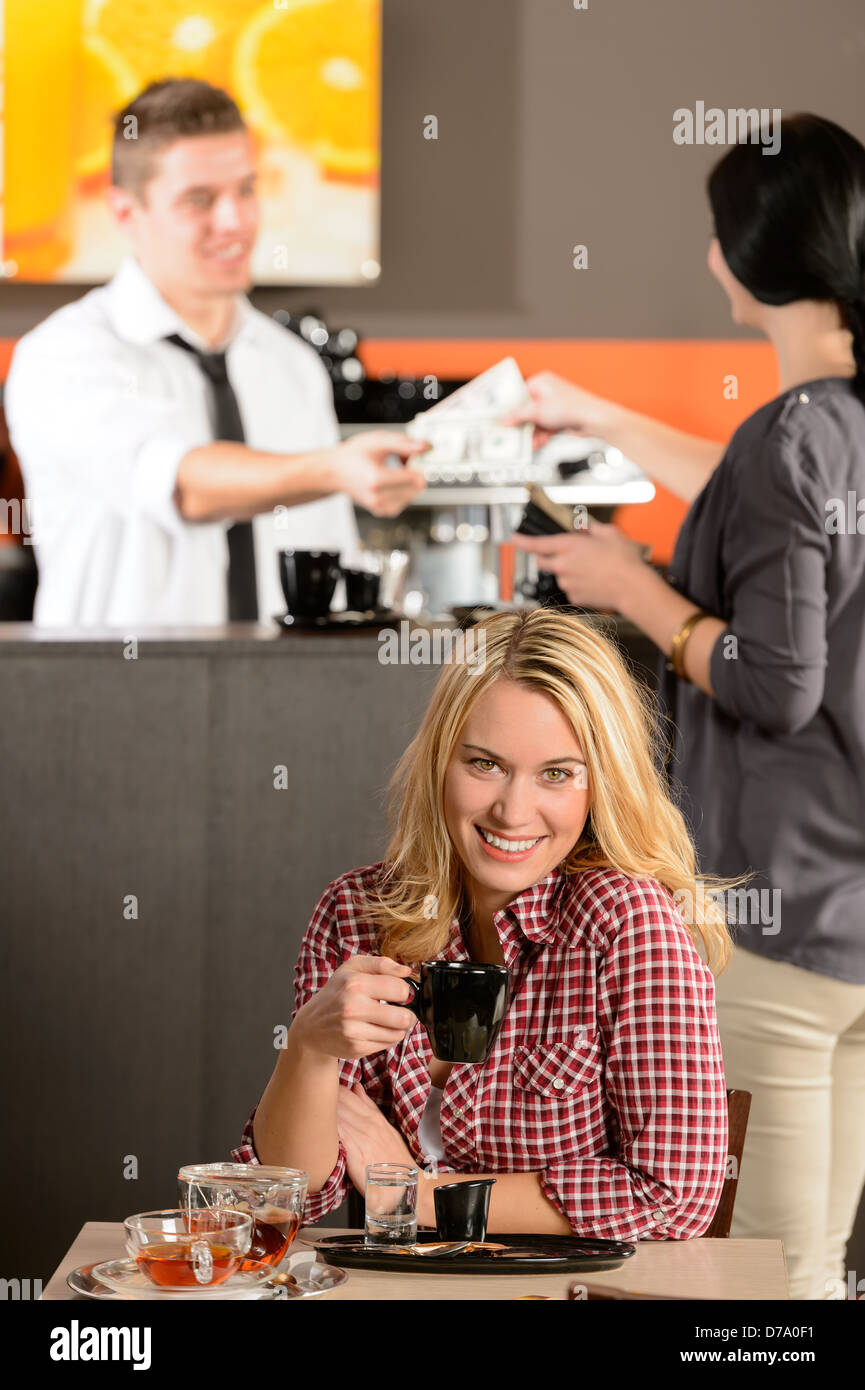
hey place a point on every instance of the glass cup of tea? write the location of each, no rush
(178, 1249)
(391, 1204)
(272, 1196)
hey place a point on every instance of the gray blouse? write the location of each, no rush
(771, 772)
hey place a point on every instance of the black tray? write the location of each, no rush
(549, 1255)
(338, 622)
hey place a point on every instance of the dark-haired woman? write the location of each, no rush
(763, 625)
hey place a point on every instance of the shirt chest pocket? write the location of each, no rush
(559, 1070)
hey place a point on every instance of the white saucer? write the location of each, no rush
(123, 1279)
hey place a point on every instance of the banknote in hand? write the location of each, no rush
(464, 428)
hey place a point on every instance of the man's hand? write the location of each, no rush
(359, 468)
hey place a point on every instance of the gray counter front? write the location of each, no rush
(173, 807)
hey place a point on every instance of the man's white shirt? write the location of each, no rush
(101, 410)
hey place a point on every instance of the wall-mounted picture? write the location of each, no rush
(305, 73)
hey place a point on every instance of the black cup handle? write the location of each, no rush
(413, 1003)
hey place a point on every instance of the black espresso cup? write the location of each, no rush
(309, 578)
(462, 1005)
(361, 590)
(462, 1209)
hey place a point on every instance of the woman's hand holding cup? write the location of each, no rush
(357, 1012)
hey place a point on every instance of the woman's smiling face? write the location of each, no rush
(516, 792)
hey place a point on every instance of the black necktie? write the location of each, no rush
(242, 601)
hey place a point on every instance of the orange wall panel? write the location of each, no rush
(6, 346)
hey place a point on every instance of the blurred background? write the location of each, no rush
(401, 258)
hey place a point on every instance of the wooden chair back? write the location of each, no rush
(738, 1109)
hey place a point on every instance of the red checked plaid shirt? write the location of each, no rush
(607, 1074)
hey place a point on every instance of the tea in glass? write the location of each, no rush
(274, 1197)
(177, 1249)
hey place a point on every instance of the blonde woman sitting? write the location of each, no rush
(534, 831)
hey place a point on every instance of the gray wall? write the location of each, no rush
(556, 128)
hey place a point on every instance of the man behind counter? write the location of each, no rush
(128, 420)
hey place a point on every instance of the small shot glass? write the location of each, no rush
(391, 1204)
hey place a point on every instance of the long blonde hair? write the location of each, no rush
(632, 825)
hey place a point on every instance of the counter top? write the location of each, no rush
(229, 639)
(234, 639)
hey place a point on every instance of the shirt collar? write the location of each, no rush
(140, 315)
(534, 912)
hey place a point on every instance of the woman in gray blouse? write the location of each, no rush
(763, 625)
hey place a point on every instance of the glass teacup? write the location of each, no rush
(178, 1249)
(273, 1197)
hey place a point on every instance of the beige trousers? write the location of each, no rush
(796, 1041)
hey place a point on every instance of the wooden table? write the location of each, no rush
(711, 1269)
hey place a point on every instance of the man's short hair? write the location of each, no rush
(165, 111)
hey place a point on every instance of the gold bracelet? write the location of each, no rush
(680, 641)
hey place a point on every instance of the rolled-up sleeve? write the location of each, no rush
(769, 666)
(664, 1078)
(318, 1204)
(87, 420)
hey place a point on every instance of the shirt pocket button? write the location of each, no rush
(563, 1069)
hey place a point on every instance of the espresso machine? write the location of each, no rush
(456, 530)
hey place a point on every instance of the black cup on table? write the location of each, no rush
(309, 578)
(462, 1209)
(361, 590)
(462, 1005)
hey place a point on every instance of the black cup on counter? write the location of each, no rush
(462, 1209)
(309, 579)
(361, 590)
(462, 1005)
